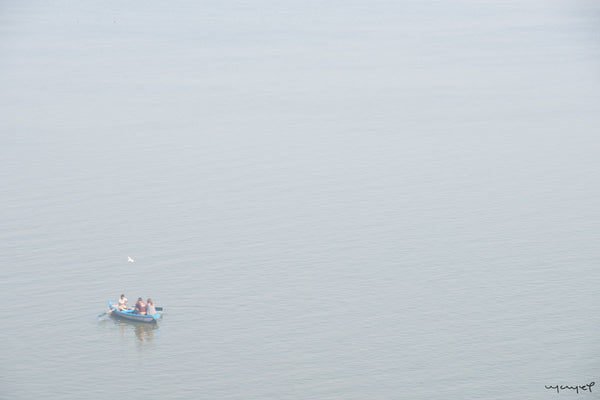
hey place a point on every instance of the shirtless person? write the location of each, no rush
(140, 307)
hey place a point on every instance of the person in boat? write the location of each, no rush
(150, 310)
(140, 307)
(123, 303)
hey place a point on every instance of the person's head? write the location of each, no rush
(140, 299)
(149, 301)
(122, 296)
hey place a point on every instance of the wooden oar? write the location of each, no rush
(106, 312)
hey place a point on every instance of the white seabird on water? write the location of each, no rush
(130, 259)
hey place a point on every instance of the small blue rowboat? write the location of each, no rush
(130, 316)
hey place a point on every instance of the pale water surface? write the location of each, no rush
(332, 200)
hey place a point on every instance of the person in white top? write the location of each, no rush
(123, 302)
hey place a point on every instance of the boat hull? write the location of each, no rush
(130, 316)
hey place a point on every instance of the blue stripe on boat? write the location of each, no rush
(130, 316)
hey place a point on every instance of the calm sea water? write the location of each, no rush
(350, 200)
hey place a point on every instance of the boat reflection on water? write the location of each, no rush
(143, 332)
